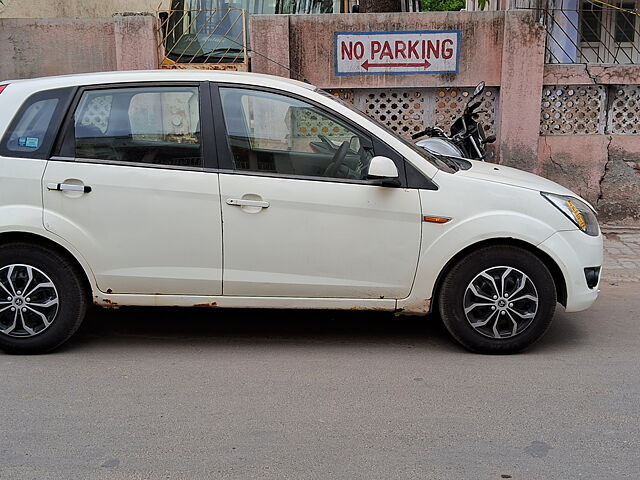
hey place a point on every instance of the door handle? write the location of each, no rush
(238, 202)
(69, 187)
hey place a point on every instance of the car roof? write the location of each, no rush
(169, 75)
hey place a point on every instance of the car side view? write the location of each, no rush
(236, 190)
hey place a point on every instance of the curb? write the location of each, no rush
(620, 229)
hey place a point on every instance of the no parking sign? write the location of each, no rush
(426, 52)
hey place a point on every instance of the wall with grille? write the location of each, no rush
(409, 110)
(590, 109)
(573, 124)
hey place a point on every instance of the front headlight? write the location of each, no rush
(577, 211)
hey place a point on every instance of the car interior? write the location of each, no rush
(119, 142)
(312, 153)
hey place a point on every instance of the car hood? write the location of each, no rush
(492, 172)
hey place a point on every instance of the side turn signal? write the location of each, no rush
(435, 219)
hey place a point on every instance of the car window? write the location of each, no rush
(268, 132)
(428, 156)
(152, 125)
(32, 126)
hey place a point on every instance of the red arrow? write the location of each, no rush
(366, 65)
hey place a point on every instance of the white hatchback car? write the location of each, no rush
(215, 189)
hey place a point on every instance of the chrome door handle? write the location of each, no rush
(238, 202)
(61, 187)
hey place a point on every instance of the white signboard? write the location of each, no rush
(375, 53)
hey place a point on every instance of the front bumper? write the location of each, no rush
(573, 251)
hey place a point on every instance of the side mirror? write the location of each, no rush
(478, 90)
(383, 168)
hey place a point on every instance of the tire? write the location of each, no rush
(42, 299)
(478, 312)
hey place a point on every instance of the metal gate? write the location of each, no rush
(213, 39)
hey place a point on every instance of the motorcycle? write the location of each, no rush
(466, 140)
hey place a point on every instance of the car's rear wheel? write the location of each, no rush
(498, 299)
(42, 299)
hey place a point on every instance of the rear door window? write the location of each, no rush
(149, 125)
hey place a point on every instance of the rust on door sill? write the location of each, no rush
(104, 302)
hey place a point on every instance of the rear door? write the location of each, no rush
(134, 188)
(24, 150)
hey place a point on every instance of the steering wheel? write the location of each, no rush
(337, 160)
(327, 142)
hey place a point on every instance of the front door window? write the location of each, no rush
(277, 134)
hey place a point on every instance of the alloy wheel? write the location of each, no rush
(500, 302)
(28, 301)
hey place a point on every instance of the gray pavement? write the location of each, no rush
(622, 254)
(203, 394)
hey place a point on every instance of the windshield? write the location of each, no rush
(432, 159)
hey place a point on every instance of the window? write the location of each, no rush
(153, 125)
(33, 129)
(608, 34)
(28, 134)
(625, 23)
(273, 133)
(591, 22)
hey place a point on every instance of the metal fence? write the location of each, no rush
(214, 39)
(589, 31)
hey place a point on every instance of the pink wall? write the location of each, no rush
(605, 169)
(306, 42)
(504, 48)
(57, 46)
(136, 42)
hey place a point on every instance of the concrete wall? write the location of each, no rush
(605, 169)
(40, 47)
(75, 8)
(506, 49)
(306, 42)
(493, 49)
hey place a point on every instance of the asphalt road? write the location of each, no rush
(191, 394)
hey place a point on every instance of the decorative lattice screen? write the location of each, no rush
(568, 109)
(407, 111)
(624, 112)
(307, 123)
(590, 109)
(401, 110)
(450, 104)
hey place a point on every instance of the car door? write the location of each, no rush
(134, 189)
(300, 217)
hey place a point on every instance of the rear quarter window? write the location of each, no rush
(32, 131)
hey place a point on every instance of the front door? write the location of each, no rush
(131, 193)
(300, 219)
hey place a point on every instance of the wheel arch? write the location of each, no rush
(35, 239)
(554, 269)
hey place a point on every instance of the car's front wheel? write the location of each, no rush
(498, 299)
(42, 299)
